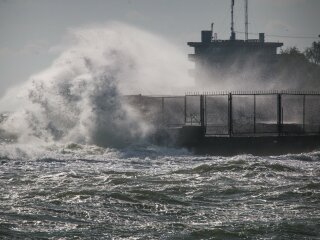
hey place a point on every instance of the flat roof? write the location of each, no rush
(238, 43)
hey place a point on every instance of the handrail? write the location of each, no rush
(254, 92)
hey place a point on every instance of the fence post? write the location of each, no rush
(230, 114)
(162, 111)
(254, 114)
(185, 110)
(205, 112)
(304, 114)
(202, 113)
(279, 114)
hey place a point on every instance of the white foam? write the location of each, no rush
(77, 98)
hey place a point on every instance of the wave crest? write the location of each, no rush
(78, 98)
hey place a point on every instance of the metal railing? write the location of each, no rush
(239, 113)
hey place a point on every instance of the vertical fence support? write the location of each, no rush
(279, 114)
(230, 130)
(162, 111)
(202, 114)
(185, 110)
(304, 114)
(254, 114)
(205, 111)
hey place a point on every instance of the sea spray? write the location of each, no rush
(78, 98)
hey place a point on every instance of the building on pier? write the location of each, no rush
(216, 58)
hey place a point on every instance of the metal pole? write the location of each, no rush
(205, 111)
(201, 111)
(202, 114)
(162, 110)
(254, 114)
(304, 114)
(185, 110)
(246, 21)
(279, 114)
(230, 114)
(232, 22)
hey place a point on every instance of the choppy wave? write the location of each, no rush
(78, 98)
(148, 192)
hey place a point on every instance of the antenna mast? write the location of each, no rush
(233, 35)
(212, 31)
(246, 21)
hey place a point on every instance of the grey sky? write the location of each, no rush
(29, 28)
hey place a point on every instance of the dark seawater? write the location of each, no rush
(86, 192)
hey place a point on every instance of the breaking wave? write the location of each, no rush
(78, 98)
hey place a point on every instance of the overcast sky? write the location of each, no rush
(30, 28)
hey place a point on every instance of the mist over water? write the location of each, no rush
(78, 98)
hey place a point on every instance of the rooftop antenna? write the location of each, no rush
(233, 35)
(246, 20)
(212, 31)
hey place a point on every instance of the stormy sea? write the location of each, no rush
(146, 192)
(76, 161)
